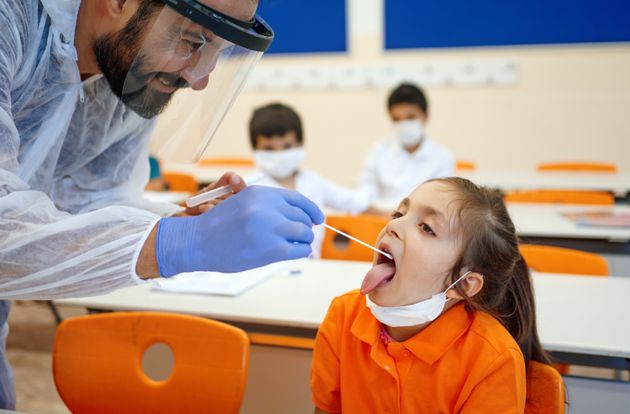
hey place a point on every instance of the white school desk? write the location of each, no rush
(577, 314)
(583, 318)
(546, 220)
(510, 179)
(207, 174)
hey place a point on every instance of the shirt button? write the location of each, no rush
(406, 353)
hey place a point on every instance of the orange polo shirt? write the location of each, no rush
(460, 363)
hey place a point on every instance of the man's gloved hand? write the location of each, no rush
(257, 226)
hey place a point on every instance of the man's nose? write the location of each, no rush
(195, 82)
(198, 70)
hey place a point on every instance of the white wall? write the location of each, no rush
(569, 102)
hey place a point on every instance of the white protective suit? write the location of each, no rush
(73, 162)
(73, 159)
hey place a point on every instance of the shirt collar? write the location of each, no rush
(431, 343)
(63, 15)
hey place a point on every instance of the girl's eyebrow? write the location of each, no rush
(429, 211)
(404, 203)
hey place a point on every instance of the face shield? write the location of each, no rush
(205, 56)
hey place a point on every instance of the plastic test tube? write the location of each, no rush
(218, 192)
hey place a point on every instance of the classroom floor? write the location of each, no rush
(30, 345)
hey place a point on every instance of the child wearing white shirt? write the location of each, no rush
(276, 136)
(397, 165)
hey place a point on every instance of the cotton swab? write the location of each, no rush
(389, 256)
(218, 192)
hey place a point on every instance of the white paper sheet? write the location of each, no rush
(215, 283)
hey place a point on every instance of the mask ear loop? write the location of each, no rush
(455, 282)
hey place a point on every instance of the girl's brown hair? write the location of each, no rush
(491, 249)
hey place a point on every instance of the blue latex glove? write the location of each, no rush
(257, 226)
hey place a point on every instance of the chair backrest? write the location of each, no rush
(554, 259)
(560, 196)
(545, 390)
(227, 161)
(364, 227)
(597, 167)
(181, 182)
(465, 166)
(97, 364)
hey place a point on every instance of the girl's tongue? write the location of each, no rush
(377, 276)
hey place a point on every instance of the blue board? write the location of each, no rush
(461, 23)
(306, 26)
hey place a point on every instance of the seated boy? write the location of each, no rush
(397, 164)
(276, 135)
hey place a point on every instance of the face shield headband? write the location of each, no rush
(205, 53)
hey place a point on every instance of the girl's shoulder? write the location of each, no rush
(488, 330)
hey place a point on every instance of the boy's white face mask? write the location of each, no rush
(411, 315)
(409, 132)
(280, 164)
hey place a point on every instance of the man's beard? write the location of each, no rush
(118, 59)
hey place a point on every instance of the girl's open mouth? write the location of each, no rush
(380, 274)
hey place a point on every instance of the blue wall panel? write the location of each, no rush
(306, 26)
(460, 23)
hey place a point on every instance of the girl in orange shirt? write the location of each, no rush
(447, 326)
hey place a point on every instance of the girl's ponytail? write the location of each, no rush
(520, 313)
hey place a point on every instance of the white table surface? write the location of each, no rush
(510, 179)
(207, 174)
(546, 220)
(579, 314)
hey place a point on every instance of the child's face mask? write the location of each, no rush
(411, 315)
(279, 164)
(409, 132)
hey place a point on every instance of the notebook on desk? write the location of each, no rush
(601, 218)
(215, 283)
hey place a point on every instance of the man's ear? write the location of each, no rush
(111, 8)
(115, 14)
(472, 284)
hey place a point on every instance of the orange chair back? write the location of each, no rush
(97, 364)
(545, 390)
(598, 167)
(228, 161)
(560, 196)
(554, 259)
(364, 227)
(465, 166)
(181, 182)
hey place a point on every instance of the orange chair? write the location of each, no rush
(596, 167)
(545, 390)
(554, 259)
(97, 364)
(364, 227)
(227, 161)
(465, 166)
(560, 196)
(181, 182)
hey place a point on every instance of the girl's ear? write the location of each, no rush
(471, 284)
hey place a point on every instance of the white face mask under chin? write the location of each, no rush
(280, 164)
(409, 132)
(411, 315)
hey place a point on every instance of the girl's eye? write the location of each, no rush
(396, 214)
(427, 229)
